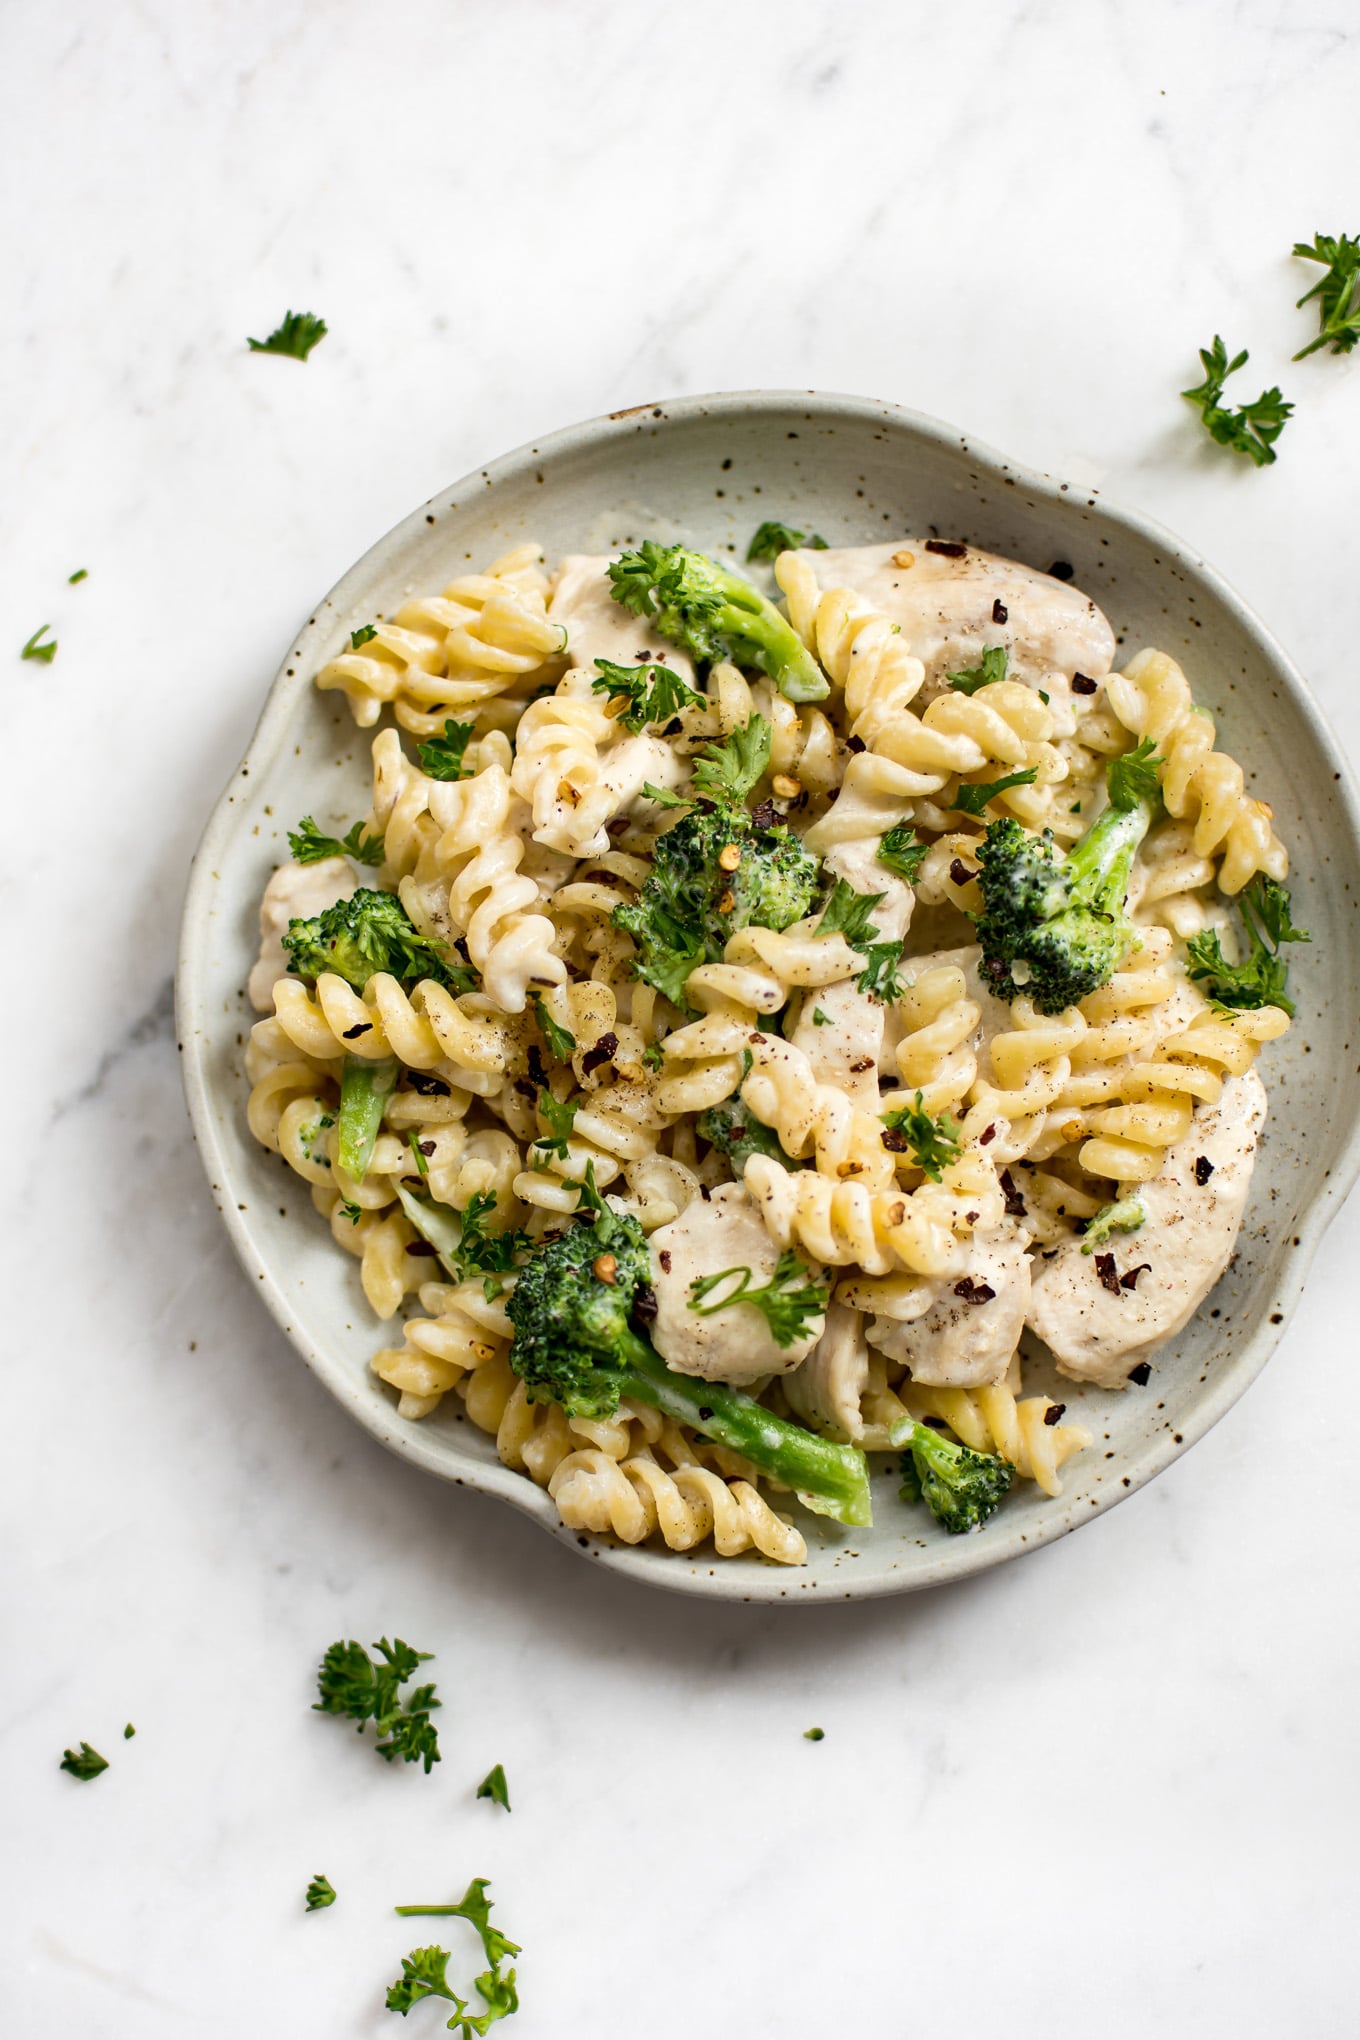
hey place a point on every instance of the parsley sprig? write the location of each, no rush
(560, 1114)
(349, 1682)
(493, 1786)
(84, 1763)
(651, 693)
(36, 649)
(1337, 291)
(972, 797)
(932, 1143)
(1263, 978)
(296, 336)
(787, 1311)
(424, 1972)
(900, 852)
(442, 757)
(561, 1042)
(772, 538)
(1253, 428)
(992, 669)
(320, 1893)
(847, 913)
(728, 772)
(311, 845)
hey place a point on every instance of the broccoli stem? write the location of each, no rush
(364, 1090)
(1099, 867)
(778, 649)
(830, 1479)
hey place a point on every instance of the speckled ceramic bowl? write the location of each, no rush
(708, 469)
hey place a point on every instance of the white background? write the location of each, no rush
(1108, 1791)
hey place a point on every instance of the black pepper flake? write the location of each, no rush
(705, 1414)
(1062, 570)
(1204, 1169)
(705, 1193)
(426, 1085)
(427, 1147)
(766, 816)
(605, 1048)
(420, 1250)
(619, 826)
(1015, 1203)
(950, 549)
(855, 744)
(644, 1304)
(1141, 1374)
(961, 873)
(1129, 1280)
(1081, 685)
(664, 1256)
(353, 1033)
(538, 1069)
(1000, 613)
(526, 1089)
(973, 1292)
(987, 1136)
(895, 1141)
(1109, 1277)
(1055, 1413)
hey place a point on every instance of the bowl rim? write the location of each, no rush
(958, 1558)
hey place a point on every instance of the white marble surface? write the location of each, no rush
(1108, 1791)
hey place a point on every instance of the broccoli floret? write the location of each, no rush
(1057, 928)
(734, 1131)
(368, 932)
(714, 614)
(574, 1309)
(960, 1487)
(717, 870)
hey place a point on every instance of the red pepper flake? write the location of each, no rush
(605, 1048)
(1141, 1374)
(987, 1136)
(857, 1069)
(1204, 1169)
(1055, 1413)
(705, 1193)
(1062, 570)
(855, 744)
(1015, 1203)
(426, 1146)
(1081, 685)
(353, 1033)
(420, 1250)
(1109, 1278)
(946, 546)
(895, 1141)
(960, 872)
(1130, 1280)
(973, 1292)
(645, 1305)
(1000, 613)
(665, 1259)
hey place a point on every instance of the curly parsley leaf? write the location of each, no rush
(80, 574)
(561, 1043)
(992, 669)
(298, 334)
(847, 913)
(350, 1682)
(493, 1786)
(1262, 979)
(311, 845)
(932, 1143)
(35, 649)
(442, 757)
(424, 1972)
(364, 635)
(652, 693)
(728, 772)
(560, 1114)
(423, 1975)
(1337, 291)
(663, 797)
(481, 1252)
(819, 1018)
(879, 977)
(320, 1893)
(1253, 428)
(899, 851)
(972, 800)
(772, 538)
(84, 1763)
(787, 1311)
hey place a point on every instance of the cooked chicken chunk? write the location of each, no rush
(733, 1345)
(843, 1045)
(1101, 1313)
(598, 627)
(295, 892)
(857, 863)
(969, 1325)
(827, 1389)
(951, 609)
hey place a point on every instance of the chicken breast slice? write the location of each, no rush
(1099, 1314)
(733, 1345)
(294, 893)
(598, 627)
(953, 606)
(845, 1045)
(827, 1390)
(968, 1325)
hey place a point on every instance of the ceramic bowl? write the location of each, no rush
(708, 469)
